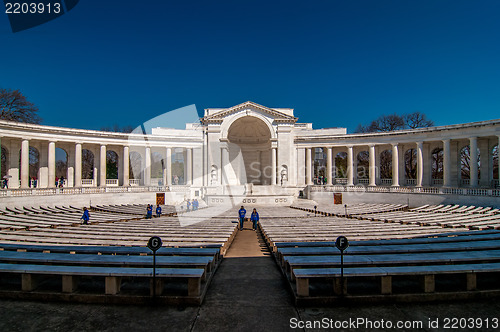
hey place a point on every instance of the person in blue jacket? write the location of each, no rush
(149, 212)
(241, 214)
(85, 217)
(158, 211)
(254, 218)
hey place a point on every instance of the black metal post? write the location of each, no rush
(342, 272)
(154, 273)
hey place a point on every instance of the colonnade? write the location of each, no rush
(451, 165)
(18, 164)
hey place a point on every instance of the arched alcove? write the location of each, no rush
(250, 151)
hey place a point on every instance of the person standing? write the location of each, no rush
(254, 218)
(158, 211)
(149, 212)
(85, 217)
(188, 205)
(241, 214)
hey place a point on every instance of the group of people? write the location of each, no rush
(149, 211)
(192, 205)
(254, 217)
(321, 180)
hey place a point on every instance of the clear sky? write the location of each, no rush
(337, 63)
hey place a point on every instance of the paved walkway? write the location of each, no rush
(247, 293)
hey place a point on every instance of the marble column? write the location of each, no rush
(395, 165)
(168, 166)
(350, 166)
(446, 163)
(420, 164)
(78, 165)
(473, 162)
(52, 164)
(329, 166)
(126, 166)
(102, 166)
(224, 164)
(189, 166)
(273, 166)
(25, 163)
(308, 167)
(147, 167)
(372, 166)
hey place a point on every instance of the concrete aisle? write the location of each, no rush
(248, 292)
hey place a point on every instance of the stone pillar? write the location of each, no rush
(189, 166)
(350, 166)
(473, 162)
(224, 164)
(273, 166)
(498, 152)
(126, 166)
(52, 164)
(395, 165)
(78, 165)
(420, 164)
(168, 166)
(328, 166)
(373, 167)
(308, 167)
(446, 163)
(147, 166)
(102, 166)
(25, 163)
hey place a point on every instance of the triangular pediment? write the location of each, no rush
(220, 114)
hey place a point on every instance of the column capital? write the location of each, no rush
(372, 145)
(395, 144)
(446, 140)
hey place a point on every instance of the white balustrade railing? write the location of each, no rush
(465, 182)
(87, 182)
(363, 181)
(156, 182)
(340, 180)
(134, 182)
(386, 182)
(437, 182)
(411, 182)
(112, 182)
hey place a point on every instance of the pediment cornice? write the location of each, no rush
(278, 117)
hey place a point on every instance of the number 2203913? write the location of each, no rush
(32, 8)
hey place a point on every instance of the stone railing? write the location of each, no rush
(80, 190)
(134, 182)
(437, 182)
(386, 182)
(408, 190)
(87, 182)
(112, 182)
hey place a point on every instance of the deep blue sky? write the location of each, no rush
(337, 63)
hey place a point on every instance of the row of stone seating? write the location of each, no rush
(395, 269)
(329, 228)
(138, 209)
(471, 217)
(55, 217)
(88, 260)
(349, 209)
(81, 270)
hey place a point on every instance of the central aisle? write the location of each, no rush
(248, 291)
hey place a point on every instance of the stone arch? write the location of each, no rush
(157, 166)
(249, 146)
(228, 123)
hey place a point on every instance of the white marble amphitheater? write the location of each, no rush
(251, 154)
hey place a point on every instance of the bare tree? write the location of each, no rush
(383, 123)
(117, 129)
(15, 107)
(417, 120)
